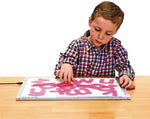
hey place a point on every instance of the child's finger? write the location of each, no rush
(69, 78)
(72, 79)
(125, 83)
(128, 85)
(61, 75)
(65, 77)
(57, 73)
(121, 81)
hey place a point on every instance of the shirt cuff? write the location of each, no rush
(126, 73)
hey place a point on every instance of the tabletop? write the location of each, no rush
(136, 108)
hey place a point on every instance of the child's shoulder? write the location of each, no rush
(115, 41)
(81, 41)
(116, 44)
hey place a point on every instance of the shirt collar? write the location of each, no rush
(89, 44)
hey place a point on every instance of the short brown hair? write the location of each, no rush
(110, 11)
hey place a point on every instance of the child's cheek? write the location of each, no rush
(93, 36)
(92, 31)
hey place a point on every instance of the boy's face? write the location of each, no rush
(102, 31)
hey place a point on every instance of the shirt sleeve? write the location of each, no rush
(70, 56)
(122, 63)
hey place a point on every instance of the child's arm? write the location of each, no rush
(125, 70)
(67, 62)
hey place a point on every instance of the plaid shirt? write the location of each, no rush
(87, 61)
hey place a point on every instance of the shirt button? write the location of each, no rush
(93, 72)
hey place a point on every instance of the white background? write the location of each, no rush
(34, 32)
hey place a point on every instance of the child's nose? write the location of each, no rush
(101, 36)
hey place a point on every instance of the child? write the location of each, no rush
(97, 52)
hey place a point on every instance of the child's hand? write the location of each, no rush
(126, 82)
(65, 72)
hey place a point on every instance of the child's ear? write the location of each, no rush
(90, 21)
(116, 31)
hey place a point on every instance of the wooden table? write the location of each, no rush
(136, 108)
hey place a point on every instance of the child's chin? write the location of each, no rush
(98, 45)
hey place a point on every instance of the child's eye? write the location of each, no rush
(108, 34)
(97, 29)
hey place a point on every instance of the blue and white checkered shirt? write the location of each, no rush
(87, 61)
